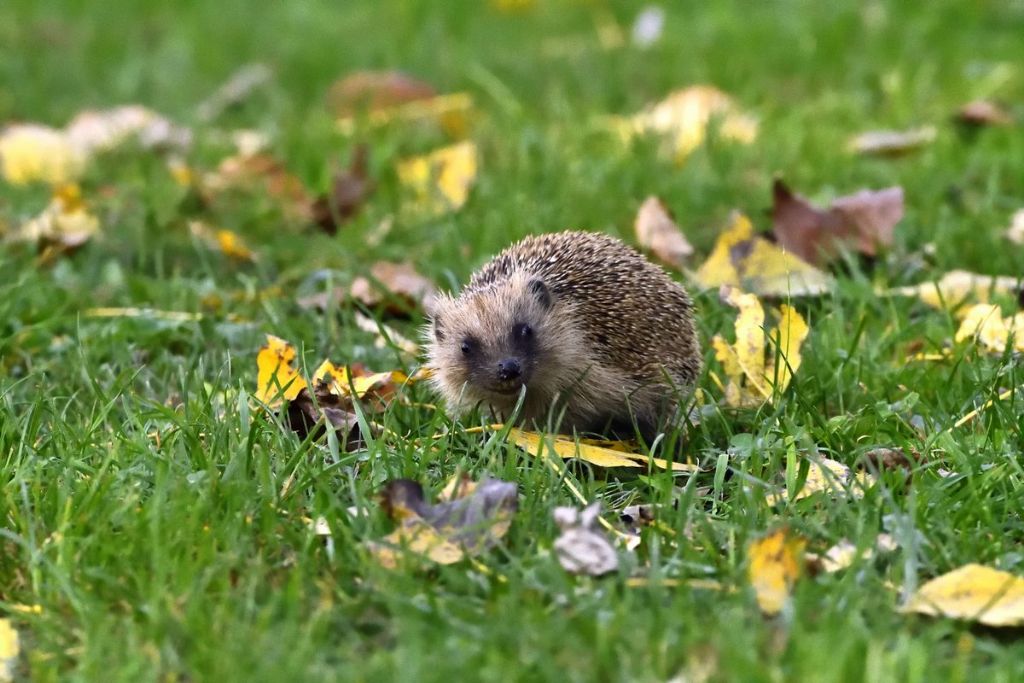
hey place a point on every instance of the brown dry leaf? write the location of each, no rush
(658, 233)
(1015, 233)
(65, 224)
(441, 180)
(983, 113)
(748, 261)
(862, 221)
(973, 592)
(10, 648)
(396, 287)
(447, 532)
(828, 476)
(956, 286)
(776, 562)
(892, 142)
(684, 117)
(751, 379)
(349, 190)
(227, 242)
(34, 153)
(259, 173)
(985, 324)
(364, 91)
(599, 453)
(582, 548)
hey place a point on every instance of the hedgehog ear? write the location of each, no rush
(540, 292)
(438, 330)
(432, 306)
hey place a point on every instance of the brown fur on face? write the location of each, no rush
(611, 336)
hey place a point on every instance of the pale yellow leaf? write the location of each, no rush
(788, 336)
(442, 179)
(775, 564)
(65, 221)
(1015, 233)
(956, 286)
(986, 324)
(684, 115)
(33, 153)
(892, 142)
(10, 647)
(568, 448)
(750, 262)
(973, 592)
(825, 475)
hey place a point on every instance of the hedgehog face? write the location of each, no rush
(486, 345)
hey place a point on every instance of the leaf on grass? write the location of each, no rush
(684, 117)
(64, 224)
(277, 379)
(1015, 233)
(95, 131)
(658, 233)
(828, 476)
(449, 531)
(10, 647)
(973, 592)
(441, 180)
(844, 554)
(259, 173)
(33, 153)
(227, 242)
(599, 453)
(980, 113)
(985, 324)
(751, 379)
(956, 286)
(386, 97)
(349, 190)
(892, 143)
(862, 221)
(776, 562)
(748, 261)
(582, 548)
(395, 287)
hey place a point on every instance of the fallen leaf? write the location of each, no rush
(594, 452)
(441, 180)
(349, 190)
(236, 89)
(65, 223)
(748, 261)
(33, 153)
(985, 324)
(582, 548)
(364, 91)
(751, 380)
(95, 131)
(828, 476)
(228, 243)
(844, 554)
(684, 117)
(9, 650)
(956, 286)
(983, 113)
(447, 532)
(277, 380)
(1015, 233)
(776, 563)
(892, 142)
(881, 459)
(259, 173)
(658, 233)
(862, 221)
(648, 26)
(395, 287)
(973, 592)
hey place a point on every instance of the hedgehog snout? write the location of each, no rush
(509, 369)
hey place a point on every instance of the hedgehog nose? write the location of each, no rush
(509, 369)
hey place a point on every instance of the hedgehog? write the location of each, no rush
(571, 331)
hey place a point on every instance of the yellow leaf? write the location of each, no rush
(451, 112)
(827, 476)
(745, 260)
(419, 538)
(607, 454)
(956, 286)
(277, 379)
(65, 222)
(985, 323)
(683, 118)
(776, 562)
(973, 592)
(442, 179)
(750, 379)
(30, 153)
(9, 650)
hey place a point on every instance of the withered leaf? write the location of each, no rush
(235, 90)
(582, 548)
(658, 233)
(363, 91)
(395, 287)
(892, 143)
(983, 113)
(862, 222)
(349, 190)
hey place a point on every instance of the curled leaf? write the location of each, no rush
(659, 234)
(582, 548)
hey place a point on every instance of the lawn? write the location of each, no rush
(155, 523)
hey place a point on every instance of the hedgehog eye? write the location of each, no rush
(466, 347)
(522, 332)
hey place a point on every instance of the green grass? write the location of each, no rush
(143, 504)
